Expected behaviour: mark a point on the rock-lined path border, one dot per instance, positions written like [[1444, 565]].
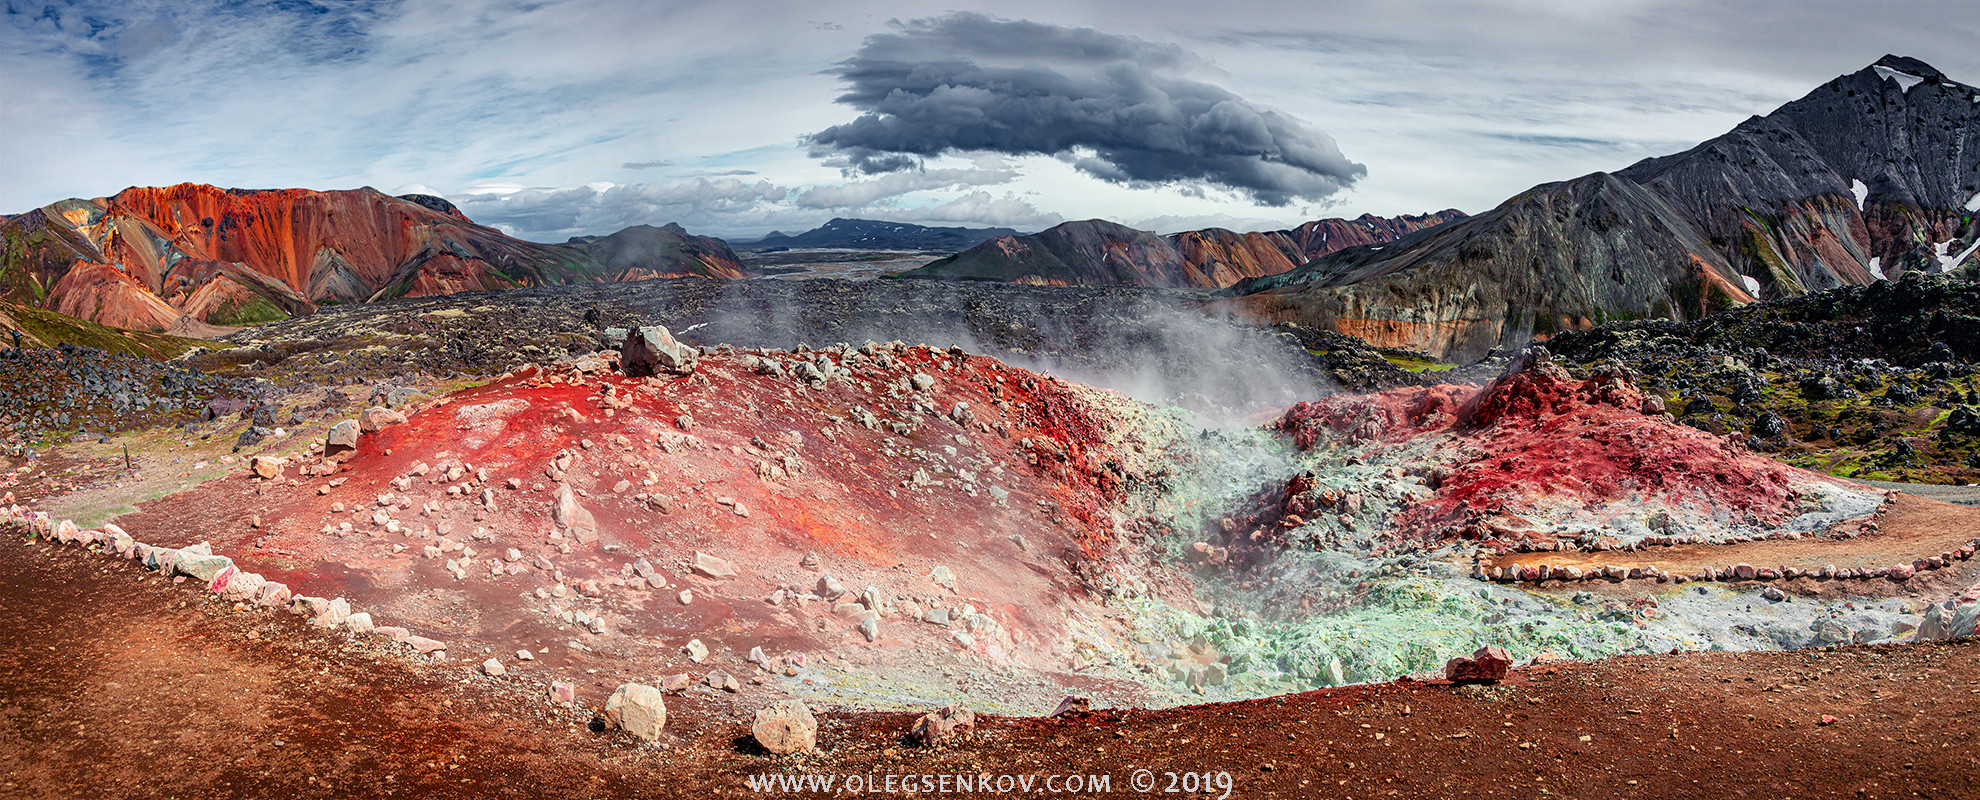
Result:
[[1511, 565], [219, 574]]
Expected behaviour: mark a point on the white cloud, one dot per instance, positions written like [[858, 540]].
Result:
[[1447, 103]]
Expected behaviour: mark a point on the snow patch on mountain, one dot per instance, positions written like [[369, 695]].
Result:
[[1947, 262], [1877, 267], [1752, 285], [1973, 203], [1905, 80], [1856, 187]]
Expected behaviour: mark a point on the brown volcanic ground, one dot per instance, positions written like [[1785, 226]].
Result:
[[125, 686]]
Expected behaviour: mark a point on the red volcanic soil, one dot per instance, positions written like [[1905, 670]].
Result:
[[126, 686], [1010, 496], [1537, 443]]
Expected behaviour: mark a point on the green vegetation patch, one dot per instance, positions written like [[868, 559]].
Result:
[[1417, 364], [251, 311], [53, 329]]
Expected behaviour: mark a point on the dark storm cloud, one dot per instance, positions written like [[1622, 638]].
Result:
[[1118, 108]]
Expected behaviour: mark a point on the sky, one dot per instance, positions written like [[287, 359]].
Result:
[[555, 118]]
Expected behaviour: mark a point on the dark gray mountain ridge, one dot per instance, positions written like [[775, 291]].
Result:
[[1770, 209], [867, 234]]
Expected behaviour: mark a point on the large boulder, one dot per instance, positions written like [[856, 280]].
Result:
[[1487, 665], [376, 418], [942, 725], [652, 350], [343, 438], [787, 727], [637, 709]]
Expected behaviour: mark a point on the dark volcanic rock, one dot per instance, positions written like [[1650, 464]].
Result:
[[1857, 367], [1101, 253], [643, 251], [1093, 252], [867, 234], [1487, 665]]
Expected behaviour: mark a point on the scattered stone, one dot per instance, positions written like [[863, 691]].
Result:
[[1072, 706], [425, 646], [377, 418], [563, 692], [695, 650], [1487, 665], [713, 567], [493, 668], [572, 517], [787, 727], [268, 467], [829, 587], [638, 709], [723, 681], [942, 725]]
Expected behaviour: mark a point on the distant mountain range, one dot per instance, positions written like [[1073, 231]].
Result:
[[181, 257], [1100, 253], [1871, 176], [867, 234]]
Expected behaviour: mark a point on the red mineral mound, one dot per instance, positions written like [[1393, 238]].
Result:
[[1538, 455], [950, 504]]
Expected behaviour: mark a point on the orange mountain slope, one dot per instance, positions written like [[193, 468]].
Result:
[[147, 257]]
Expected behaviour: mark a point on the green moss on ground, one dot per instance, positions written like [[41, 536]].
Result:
[[253, 311], [54, 329]]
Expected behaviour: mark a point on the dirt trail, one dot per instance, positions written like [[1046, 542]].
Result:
[[1911, 528], [126, 686], [1962, 495]]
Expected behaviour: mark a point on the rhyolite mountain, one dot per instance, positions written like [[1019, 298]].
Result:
[[1097, 252], [178, 257], [868, 234], [1870, 176]]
